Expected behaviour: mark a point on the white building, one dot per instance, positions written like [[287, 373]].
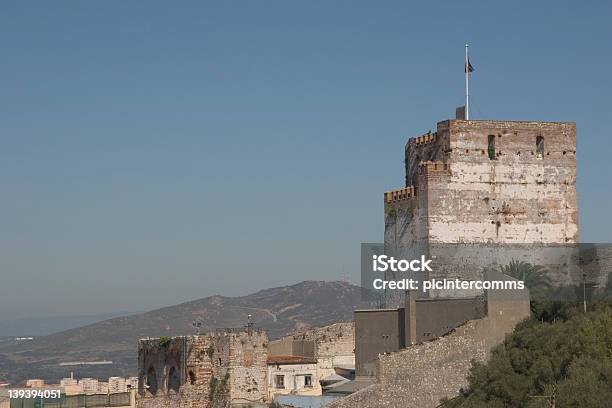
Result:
[[89, 385], [292, 375], [117, 384]]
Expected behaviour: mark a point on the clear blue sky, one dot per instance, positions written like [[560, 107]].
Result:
[[156, 152]]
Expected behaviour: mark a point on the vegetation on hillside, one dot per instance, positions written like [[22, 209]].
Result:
[[560, 357]]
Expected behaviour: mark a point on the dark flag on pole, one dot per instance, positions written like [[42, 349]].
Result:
[[468, 67]]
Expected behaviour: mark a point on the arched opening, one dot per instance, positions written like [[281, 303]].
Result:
[[192, 377], [174, 381], [151, 381], [539, 147], [491, 147]]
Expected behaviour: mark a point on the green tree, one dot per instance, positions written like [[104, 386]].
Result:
[[534, 276], [571, 360]]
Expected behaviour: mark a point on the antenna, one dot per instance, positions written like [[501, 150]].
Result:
[[249, 325]]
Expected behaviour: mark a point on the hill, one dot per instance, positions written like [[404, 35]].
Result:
[[42, 326], [280, 310]]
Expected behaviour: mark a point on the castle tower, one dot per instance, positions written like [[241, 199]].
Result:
[[485, 182]]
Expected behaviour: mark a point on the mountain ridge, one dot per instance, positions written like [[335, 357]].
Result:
[[280, 311]]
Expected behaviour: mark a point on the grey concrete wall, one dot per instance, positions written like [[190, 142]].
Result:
[[383, 331], [376, 332], [281, 347], [437, 317]]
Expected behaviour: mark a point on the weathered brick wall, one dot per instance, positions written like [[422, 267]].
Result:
[[335, 347], [516, 198], [215, 369], [428, 147], [248, 353], [189, 396]]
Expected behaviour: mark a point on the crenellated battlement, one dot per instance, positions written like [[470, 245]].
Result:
[[423, 139], [402, 194], [433, 166]]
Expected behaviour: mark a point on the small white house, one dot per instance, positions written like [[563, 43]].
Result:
[[292, 375]]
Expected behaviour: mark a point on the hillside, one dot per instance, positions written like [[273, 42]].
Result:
[[279, 310], [42, 326]]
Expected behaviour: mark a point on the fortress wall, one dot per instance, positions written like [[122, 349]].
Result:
[[421, 375], [247, 366], [234, 360], [518, 196], [429, 147], [464, 196]]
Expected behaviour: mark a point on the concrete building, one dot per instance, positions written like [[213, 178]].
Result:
[[89, 385], [117, 384], [68, 381], [35, 383]]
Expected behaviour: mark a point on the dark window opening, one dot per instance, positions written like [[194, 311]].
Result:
[[192, 377], [539, 147], [491, 147], [308, 380], [279, 381]]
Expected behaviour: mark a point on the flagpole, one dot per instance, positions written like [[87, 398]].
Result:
[[467, 84]]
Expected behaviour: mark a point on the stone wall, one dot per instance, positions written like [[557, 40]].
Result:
[[247, 357], [203, 371], [518, 195], [421, 375], [483, 182], [289, 346]]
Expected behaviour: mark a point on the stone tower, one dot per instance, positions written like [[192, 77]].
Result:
[[485, 182]]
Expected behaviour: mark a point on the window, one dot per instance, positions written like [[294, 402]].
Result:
[[279, 381], [308, 380], [491, 147], [539, 147], [192, 377]]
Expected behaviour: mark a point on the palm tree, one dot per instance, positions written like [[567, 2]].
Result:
[[534, 276]]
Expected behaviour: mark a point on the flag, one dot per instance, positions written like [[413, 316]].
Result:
[[468, 67]]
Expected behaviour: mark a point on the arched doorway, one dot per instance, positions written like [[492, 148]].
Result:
[[174, 382], [151, 381]]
